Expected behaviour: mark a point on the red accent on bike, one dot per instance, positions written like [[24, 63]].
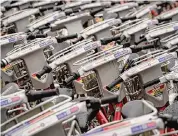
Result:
[[117, 115], [101, 118]]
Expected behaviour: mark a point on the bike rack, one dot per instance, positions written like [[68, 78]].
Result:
[[161, 31], [143, 69], [133, 31], [170, 40], [22, 4], [100, 29], [73, 53], [45, 4], [7, 44], [105, 65], [8, 41], [169, 14], [143, 11], [20, 19], [95, 5], [29, 54], [121, 9], [48, 117], [49, 18], [76, 4], [73, 23]]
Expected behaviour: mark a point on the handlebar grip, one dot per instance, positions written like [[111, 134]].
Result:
[[45, 9], [150, 83], [162, 4], [164, 19], [110, 99], [137, 49], [123, 19], [141, 40], [44, 27], [105, 41], [31, 36], [56, 8], [79, 39], [70, 11], [71, 78], [10, 7], [114, 83], [41, 35], [33, 96], [125, 45], [143, 3], [64, 38], [92, 13], [46, 69]]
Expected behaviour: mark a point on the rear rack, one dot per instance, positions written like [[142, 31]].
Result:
[[97, 56], [68, 50]]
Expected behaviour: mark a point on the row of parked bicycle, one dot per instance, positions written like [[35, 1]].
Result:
[[71, 68]]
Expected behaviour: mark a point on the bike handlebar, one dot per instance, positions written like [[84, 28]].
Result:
[[32, 36], [137, 49], [152, 82], [94, 12], [164, 19], [45, 9], [123, 19], [79, 39], [105, 41], [110, 99], [36, 95], [114, 83], [140, 41], [71, 78], [46, 69], [64, 38]]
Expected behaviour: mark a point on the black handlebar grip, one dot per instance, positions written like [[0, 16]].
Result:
[[41, 35], [64, 38], [123, 19], [31, 36], [56, 8], [141, 40], [114, 83], [46, 69], [68, 11], [110, 99], [4, 62], [143, 3], [71, 78], [79, 39], [105, 41], [150, 83], [94, 12], [44, 27], [164, 19], [45, 9], [137, 49], [125, 45], [10, 7], [162, 4], [33, 96]]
